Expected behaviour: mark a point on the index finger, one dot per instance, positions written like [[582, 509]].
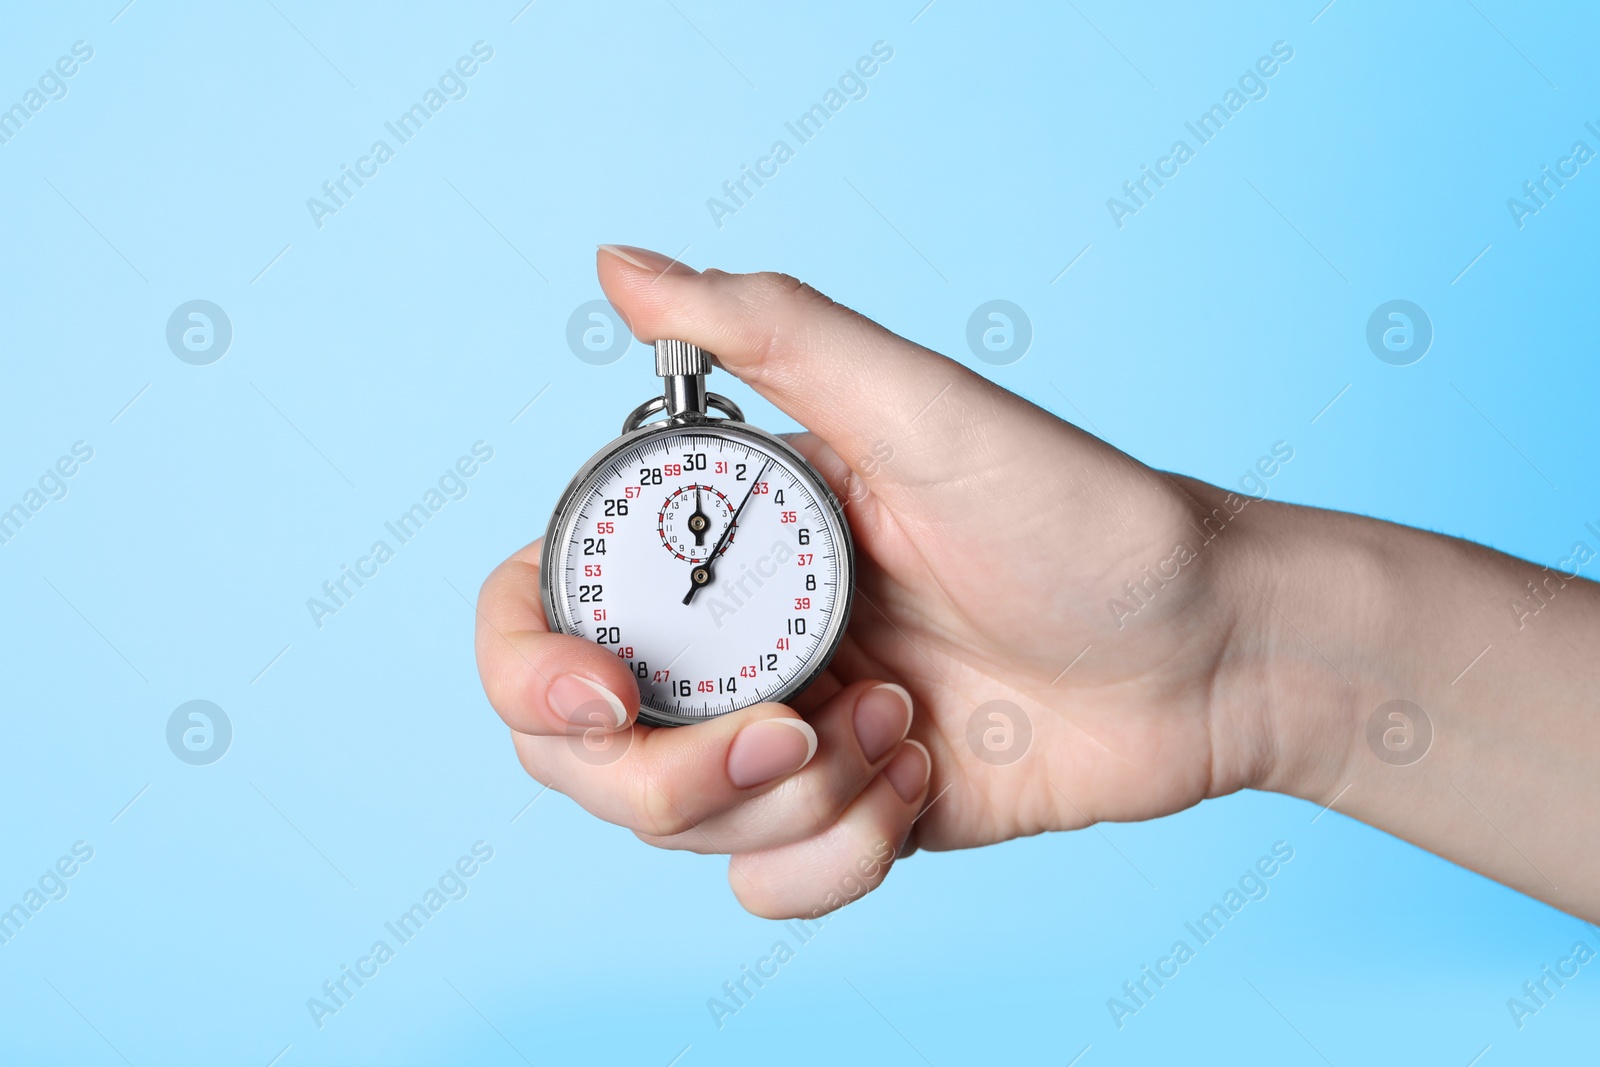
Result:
[[866, 391], [542, 682]]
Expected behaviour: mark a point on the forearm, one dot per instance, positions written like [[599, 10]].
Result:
[[1501, 656]]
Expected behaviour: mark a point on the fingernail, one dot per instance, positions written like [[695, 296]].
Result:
[[767, 749], [883, 718], [908, 772], [644, 259], [585, 702]]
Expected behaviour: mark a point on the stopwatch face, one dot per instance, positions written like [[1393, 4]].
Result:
[[710, 558]]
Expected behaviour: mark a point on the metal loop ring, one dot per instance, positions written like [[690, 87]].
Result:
[[729, 408], [637, 416], [657, 404]]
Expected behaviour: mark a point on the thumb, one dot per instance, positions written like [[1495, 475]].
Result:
[[914, 420]]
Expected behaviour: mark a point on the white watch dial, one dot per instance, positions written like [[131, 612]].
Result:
[[715, 565]]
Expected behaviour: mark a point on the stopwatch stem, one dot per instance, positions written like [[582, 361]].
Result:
[[685, 395], [684, 367]]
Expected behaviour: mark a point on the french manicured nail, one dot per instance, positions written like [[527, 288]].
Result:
[[585, 702], [644, 259], [768, 749], [883, 718], [909, 770]]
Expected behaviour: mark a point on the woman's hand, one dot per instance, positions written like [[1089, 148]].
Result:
[[1080, 638], [991, 536]]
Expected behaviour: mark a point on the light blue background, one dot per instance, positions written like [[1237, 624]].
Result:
[[427, 313]]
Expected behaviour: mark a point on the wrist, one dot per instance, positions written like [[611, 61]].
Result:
[[1318, 599], [1398, 676]]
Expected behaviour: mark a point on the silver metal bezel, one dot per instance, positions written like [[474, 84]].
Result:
[[560, 528]]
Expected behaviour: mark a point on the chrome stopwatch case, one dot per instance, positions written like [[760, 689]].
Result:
[[704, 553]]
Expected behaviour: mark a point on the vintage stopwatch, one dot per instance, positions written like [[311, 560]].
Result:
[[705, 553]]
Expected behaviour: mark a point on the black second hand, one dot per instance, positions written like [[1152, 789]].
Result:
[[732, 522]]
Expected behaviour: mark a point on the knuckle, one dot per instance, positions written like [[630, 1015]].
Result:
[[771, 288], [821, 805], [653, 811], [774, 284], [775, 310]]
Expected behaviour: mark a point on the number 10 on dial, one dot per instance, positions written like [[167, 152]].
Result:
[[705, 553]]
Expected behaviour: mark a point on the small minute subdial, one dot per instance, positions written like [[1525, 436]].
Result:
[[691, 521]]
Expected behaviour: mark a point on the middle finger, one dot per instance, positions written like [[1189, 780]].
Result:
[[858, 730]]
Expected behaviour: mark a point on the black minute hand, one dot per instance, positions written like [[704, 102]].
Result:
[[701, 574]]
